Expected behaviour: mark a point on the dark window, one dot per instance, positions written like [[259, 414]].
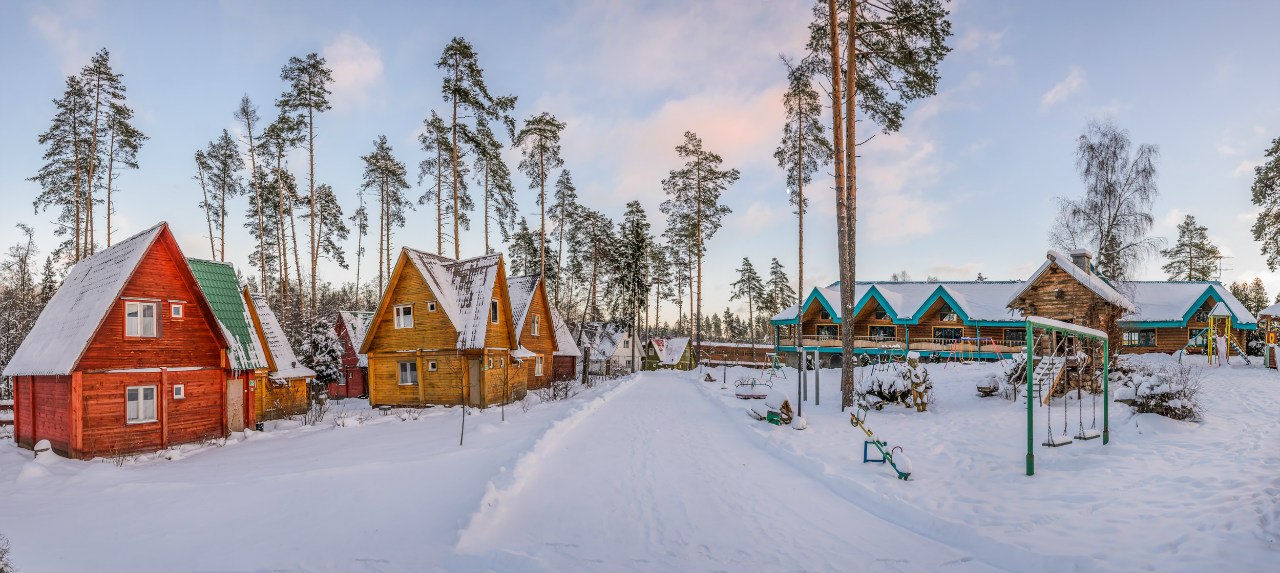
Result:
[[828, 330], [1140, 337], [946, 314], [825, 315], [1015, 335], [948, 333], [879, 314], [1201, 315], [882, 332], [493, 312]]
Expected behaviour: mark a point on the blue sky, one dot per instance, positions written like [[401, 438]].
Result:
[[967, 186]]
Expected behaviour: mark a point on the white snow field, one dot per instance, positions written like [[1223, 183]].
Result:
[[663, 472]]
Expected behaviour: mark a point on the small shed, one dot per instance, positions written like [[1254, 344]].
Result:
[[668, 353], [565, 363]]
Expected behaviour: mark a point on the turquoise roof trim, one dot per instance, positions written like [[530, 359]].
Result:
[[817, 294], [873, 292]]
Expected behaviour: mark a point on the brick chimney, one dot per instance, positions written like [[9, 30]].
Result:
[[1083, 259]]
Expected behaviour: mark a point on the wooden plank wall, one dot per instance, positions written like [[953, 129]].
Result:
[[196, 417], [544, 344], [274, 401]]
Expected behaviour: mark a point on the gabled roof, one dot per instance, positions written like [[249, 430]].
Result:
[[1090, 281], [463, 290], [76, 311], [565, 345], [521, 291], [221, 288], [284, 363], [670, 350], [356, 323], [603, 339], [1271, 311], [1169, 302]]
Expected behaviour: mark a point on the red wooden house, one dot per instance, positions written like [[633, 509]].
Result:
[[126, 357], [350, 328]]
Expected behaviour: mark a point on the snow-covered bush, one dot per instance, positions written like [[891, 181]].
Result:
[[1169, 391], [6, 566], [316, 412], [894, 386], [1014, 380]]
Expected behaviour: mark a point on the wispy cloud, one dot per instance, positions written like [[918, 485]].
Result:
[[357, 70], [1063, 89], [52, 23]]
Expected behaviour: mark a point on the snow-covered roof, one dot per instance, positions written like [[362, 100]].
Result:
[[565, 345], [1091, 281], [463, 290], [520, 353], [1271, 311], [603, 338], [356, 323], [669, 350], [521, 291], [984, 301], [1172, 301], [70, 319], [280, 352]]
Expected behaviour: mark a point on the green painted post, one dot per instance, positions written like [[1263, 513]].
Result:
[[1031, 457], [1106, 393]]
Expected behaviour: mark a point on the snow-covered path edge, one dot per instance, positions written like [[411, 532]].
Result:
[[508, 484], [898, 512]]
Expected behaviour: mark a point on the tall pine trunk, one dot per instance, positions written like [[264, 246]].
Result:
[[111, 162], [542, 209], [93, 167], [486, 209], [697, 323], [837, 115], [311, 183], [257, 195], [848, 211], [800, 254], [439, 202], [283, 239], [457, 247], [208, 217]]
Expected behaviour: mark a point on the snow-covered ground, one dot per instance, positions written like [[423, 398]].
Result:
[[663, 472]]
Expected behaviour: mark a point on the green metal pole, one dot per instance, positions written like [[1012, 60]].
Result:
[[1106, 393], [1031, 456]]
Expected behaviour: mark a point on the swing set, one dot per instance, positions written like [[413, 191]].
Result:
[[1072, 356]]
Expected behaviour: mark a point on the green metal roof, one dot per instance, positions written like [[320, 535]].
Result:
[[221, 288]]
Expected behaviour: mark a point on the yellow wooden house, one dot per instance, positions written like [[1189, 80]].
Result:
[[444, 334]]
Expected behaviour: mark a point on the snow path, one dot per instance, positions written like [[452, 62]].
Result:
[[660, 478]]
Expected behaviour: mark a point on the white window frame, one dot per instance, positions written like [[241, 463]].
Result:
[[139, 414], [402, 370], [493, 311], [179, 391], [403, 319], [537, 365], [626, 343], [432, 366], [490, 366], [535, 325], [176, 310], [431, 306], [137, 322]]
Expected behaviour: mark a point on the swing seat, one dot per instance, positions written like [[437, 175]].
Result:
[[1055, 441], [1089, 434]]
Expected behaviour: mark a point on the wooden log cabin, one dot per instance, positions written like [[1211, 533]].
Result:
[[127, 357], [984, 319], [444, 334], [350, 329], [534, 326], [247, 359], [285, 393]]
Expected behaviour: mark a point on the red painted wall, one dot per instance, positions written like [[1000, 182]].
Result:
[[42, 411], [353, 373]]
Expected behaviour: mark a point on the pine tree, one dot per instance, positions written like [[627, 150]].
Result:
[[749, 286], [1193, 257], [322, 351], [694, 204], [891, 56], [464, 88], [20, 302], [247, 116], [223, 164], [564, 212], [595, 250], [263, 226], [1258, 299], [387, 177], [981, 278], [308, 95], [360, 220], [62, 178], [209, 206], [780, 293], [1266, 194], [279, 137], [660, 272], [495, 177], [804, 148], [328, 223], [539, 142], [435, 142], [112, 138], [523, 251], [629, 282]]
